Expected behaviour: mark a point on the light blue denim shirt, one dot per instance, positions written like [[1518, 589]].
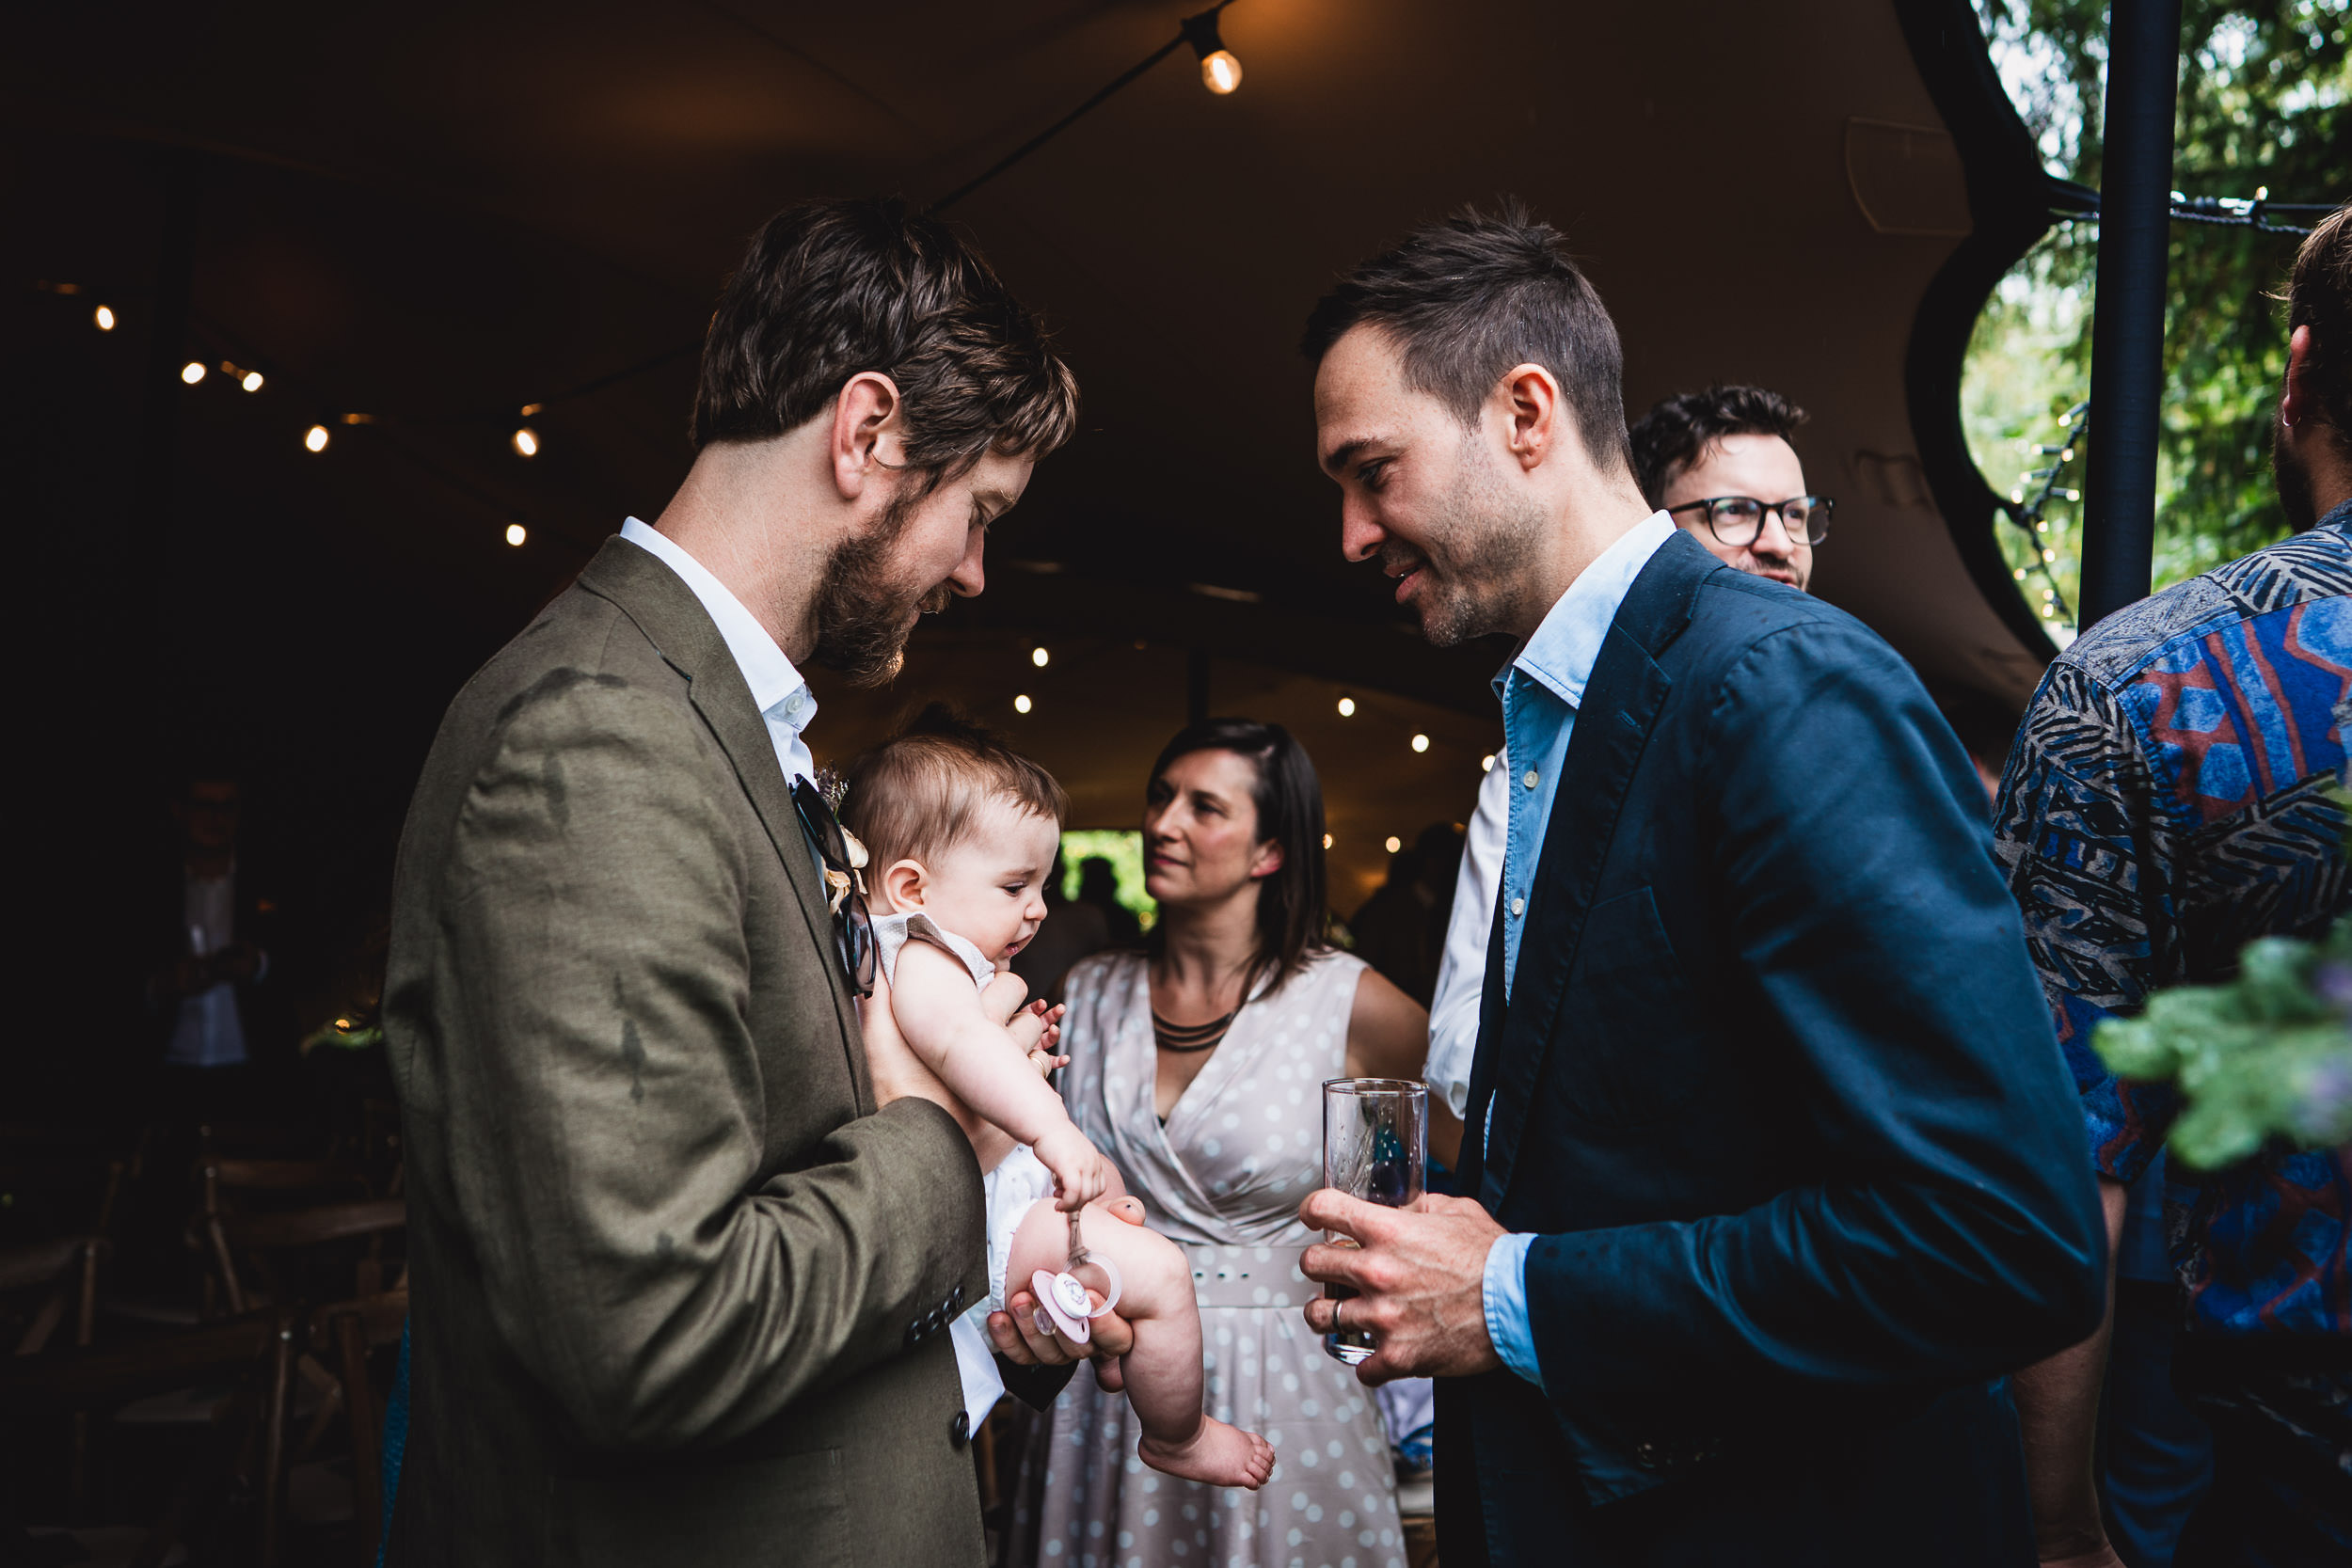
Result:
[[1540, 693]]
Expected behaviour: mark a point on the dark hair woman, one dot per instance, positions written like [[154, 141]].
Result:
[[1196, 1065]]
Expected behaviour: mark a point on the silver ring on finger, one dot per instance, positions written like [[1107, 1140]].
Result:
[[1335, 1314]]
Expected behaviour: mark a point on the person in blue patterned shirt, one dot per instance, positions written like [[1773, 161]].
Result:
[[2170, 800]]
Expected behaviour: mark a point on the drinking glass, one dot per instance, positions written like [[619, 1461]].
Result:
[[1375, 1147]]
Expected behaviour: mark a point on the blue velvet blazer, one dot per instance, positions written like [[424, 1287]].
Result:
[[1777, 1088]]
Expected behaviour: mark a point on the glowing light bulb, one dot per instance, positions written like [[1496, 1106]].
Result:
[[1347, 708], [2049, 556], [1220, 72], [315, 439], [2049, 613], [1393, 842], [1421, 743], [192, 373], [105, 317], [1039, 657], [517, 533], [1021, 705], [1487, 763], [2067, 455], [1327, 841], [2019, 573], [525, 441], [253, 381]]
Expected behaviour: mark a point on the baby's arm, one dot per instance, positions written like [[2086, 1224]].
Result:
[[944, 1019]]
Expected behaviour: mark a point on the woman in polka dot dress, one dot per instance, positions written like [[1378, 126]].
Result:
[[1197, 1067]]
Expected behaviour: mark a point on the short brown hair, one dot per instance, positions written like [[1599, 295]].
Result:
[[1468, 298], [1678, 430], [915, 797], [831, 289], [2319, 297]]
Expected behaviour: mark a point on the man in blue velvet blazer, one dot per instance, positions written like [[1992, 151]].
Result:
[[1772, 1145]]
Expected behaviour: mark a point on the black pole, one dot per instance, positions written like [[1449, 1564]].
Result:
[[2127, 331]]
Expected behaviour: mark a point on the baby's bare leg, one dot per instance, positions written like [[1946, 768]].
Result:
[[1162, 1373]]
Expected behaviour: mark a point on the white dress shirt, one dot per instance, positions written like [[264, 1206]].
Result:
[[1462, 970], [778, 690]]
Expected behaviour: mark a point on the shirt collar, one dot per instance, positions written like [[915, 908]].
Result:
[[1560, 656], [773, 681]]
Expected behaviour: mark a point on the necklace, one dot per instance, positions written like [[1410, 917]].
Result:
[[1185, 1038]]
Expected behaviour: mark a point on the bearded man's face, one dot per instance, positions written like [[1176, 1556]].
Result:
[[923, 549]]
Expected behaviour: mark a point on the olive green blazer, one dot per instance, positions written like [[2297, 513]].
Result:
[[679, 1289]]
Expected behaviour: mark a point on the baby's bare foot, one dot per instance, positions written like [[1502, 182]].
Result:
[[1219, 1454]]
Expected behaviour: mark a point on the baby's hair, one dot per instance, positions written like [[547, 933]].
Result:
[[914, 795]]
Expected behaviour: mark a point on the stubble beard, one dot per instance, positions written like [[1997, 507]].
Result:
[[860, 617], [1481, 554]]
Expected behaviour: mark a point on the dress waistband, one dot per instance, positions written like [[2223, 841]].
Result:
[[1248, 1276]]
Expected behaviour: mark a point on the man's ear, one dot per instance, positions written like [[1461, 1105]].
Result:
[[902, 884], [2295, 396], [1269, 859], [868, 427], [1534, 420]]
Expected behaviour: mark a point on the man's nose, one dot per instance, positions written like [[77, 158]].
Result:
[[969, 578], [1361, 533], [1772, 538]]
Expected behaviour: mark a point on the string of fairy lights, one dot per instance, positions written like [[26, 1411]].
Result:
[[1220, 74]]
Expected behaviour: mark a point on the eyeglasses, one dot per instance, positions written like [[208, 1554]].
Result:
[[1737, 520], [852, 926]]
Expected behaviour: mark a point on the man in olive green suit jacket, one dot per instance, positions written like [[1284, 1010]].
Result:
[[683, 1261]]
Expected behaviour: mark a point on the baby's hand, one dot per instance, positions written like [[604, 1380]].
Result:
[[1081, 1174], [1036, 1027]]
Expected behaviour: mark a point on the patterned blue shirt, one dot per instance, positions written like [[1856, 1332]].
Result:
[[2167, 804]]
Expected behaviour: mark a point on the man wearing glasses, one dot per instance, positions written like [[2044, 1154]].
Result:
[[1720, 463]]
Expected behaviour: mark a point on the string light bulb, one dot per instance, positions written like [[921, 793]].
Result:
[[1421, 743], [1487, 763], [1220, 72], [193, 371], [1039, 657], [1020, 704], [1393, 842], [315, 439], [516, 534], [1327, 841], [525, 441], [105, 317], [1347, 706], [252, 381]]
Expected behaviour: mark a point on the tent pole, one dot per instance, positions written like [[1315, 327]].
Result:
[[2127, 331]]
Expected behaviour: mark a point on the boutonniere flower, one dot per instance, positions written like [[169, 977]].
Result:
[[841, 881]]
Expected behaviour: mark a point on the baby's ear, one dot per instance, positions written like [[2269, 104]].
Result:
[[901, 885]]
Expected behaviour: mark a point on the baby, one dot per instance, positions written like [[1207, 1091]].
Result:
[[960, 835]]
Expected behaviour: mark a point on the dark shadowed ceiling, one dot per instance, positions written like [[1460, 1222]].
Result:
[[435, 214]]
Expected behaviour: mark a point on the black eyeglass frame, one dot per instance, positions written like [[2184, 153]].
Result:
[[853, 923], [1818, 513]]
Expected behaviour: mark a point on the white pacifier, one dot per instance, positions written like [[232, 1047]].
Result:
[[1067, 1299]]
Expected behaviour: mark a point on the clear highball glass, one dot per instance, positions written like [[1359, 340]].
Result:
[[1375, 1147]]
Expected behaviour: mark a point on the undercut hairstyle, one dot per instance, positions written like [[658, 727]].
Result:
[[1677, 432], [1294, 921], [1467, 299], [2319, 297], [831, 289], [919, 794]]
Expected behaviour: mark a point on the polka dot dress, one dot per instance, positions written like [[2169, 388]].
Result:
[[1224, 1178]]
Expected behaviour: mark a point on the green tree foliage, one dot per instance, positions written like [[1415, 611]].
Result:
[[2262, 101]]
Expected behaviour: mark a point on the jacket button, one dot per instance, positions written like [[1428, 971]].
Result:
[[955, 1297], [960, 1430]]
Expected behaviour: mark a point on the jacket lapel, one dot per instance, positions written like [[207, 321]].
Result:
[[1621, 706], [682, 631]]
